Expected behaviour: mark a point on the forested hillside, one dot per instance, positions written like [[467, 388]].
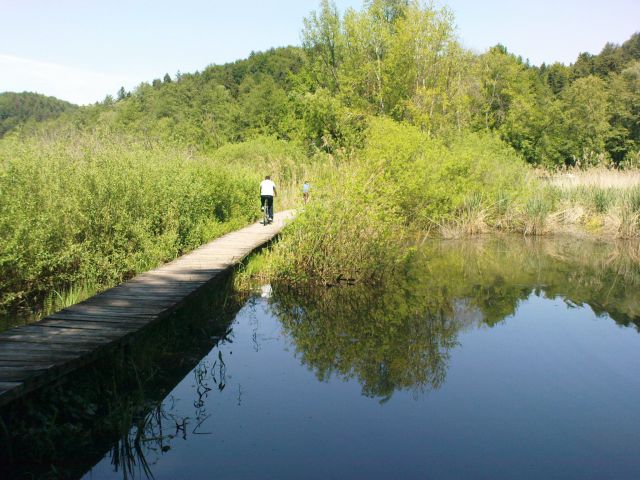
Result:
[[17, 108], [404, 61]]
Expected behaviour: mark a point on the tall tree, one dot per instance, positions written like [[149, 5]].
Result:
[[323, 40], [585, 119]]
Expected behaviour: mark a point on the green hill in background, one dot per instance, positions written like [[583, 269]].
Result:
[[18, 108], [320, 95]]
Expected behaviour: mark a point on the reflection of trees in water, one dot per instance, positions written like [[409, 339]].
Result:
[[398, 336], [390, 339], [506, 270]]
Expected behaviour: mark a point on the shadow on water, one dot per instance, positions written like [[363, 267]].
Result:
[[114, 406], [399, 336]]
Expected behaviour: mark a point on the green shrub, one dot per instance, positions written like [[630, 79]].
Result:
[[284, 160], [401, 183], [100, 208], [432, 182], [602, 199], [349, 232]]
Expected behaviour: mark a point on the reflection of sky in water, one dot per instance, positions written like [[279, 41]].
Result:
[[551, 392]]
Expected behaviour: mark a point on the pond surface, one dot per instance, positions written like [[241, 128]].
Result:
[[489, 358]]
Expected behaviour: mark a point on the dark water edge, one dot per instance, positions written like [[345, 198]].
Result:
[[492, 357]]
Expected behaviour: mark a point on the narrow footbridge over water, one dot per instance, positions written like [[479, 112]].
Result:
[[36, 354]]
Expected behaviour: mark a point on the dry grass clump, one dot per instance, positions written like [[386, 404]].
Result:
[[598, 201], [599, 177]]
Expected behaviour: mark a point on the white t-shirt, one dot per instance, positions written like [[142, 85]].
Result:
[[267, 187]]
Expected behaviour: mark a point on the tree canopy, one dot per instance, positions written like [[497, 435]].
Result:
[[394, 58], [18, 108]]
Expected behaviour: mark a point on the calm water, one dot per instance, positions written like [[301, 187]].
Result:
[[494, 358]]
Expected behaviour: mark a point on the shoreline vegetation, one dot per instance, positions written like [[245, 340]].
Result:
[[397, 148]]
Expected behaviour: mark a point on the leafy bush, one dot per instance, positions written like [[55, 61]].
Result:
[[349, 231], [101, 208], [433, 182], [401, 183]]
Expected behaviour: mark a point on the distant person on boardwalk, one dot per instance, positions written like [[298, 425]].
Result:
[[267, 192], [305, 191]]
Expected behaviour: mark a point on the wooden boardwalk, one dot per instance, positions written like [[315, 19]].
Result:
[[39, 353]]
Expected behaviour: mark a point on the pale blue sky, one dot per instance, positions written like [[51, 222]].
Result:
[[81, 50]]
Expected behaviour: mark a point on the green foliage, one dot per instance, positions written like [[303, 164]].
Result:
[[401, 59], [585, 118], [431, 181], [327, 125], [349, 231], [399, 127], [323, 42], [101, 208], [401, 182], [205, 110], [624, 110], [392, 57], [398, 59], [18, 108], [284, 161]]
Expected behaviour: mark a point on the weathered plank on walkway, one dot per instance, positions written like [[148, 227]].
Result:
[[34, 355]]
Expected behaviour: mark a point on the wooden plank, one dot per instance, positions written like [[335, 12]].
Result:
[[52, 340], [103, 314], [62, 334], [20, 374], [139, 322], [50, 335], [91, 325], [36, 356], [156, 288], [144, 294], [8, 353], [136, 303], [89, 309], [12, 348], [8, 385], [44, 331]]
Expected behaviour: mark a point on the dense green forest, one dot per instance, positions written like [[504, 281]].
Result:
[[18, 108], [399, 59], [383, 110]]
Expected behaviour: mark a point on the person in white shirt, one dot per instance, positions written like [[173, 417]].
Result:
[[267, 192]]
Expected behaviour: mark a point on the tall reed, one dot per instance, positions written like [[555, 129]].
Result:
[[95, 209]]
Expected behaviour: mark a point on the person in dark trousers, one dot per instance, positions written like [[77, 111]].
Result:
[[267, 192]]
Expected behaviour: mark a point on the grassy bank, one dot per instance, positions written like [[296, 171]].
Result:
[[599, 201]]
